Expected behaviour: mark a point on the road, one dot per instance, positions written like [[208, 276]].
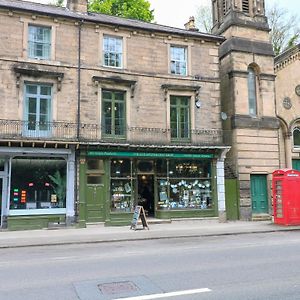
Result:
[[251, 266]]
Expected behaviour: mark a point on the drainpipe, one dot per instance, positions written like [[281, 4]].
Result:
[[79, 79]]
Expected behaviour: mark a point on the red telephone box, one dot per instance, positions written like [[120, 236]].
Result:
[[286, 197]]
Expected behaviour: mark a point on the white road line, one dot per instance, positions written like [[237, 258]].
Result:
[[167, 295]]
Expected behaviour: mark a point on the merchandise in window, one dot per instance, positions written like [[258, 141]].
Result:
[[38, 183], [113, 113], [178, 60], [39, 42], [187, 187], [112, 51], [121, 185]]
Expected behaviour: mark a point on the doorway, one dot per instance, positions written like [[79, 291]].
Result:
[[146, 193], [259, 194]]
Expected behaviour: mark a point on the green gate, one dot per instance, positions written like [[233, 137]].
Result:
[[259, 194], [232, 199]]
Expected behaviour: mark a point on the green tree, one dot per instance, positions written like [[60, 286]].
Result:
[[132, 9], [204, 18], [285, 28]]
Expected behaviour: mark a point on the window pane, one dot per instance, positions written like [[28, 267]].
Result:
[[178, 60], [296, 136], [38, 183], [114, 113], [112, 51], [252, 91], [39, 42]]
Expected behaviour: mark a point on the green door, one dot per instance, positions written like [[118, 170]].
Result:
[[232, 199], [95, 204], [259, 194], [296, 164]]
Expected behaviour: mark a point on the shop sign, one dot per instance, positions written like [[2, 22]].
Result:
[[149, 154]]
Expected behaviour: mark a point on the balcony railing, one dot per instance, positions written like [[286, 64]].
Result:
[[85, 133]]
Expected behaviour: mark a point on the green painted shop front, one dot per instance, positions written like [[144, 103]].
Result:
[[167, 185]]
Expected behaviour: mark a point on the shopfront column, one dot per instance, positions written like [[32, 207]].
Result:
[[70, 201], [221, 186]]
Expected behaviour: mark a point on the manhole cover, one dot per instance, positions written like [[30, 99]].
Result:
[[113, 288]]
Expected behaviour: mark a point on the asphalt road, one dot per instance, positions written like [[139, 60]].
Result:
[[254, 266]]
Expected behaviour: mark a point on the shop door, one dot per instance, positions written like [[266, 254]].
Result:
[[259, 194], [146, 193], [95, 210], [232, 199]]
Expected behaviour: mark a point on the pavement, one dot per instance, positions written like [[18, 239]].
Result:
[[99, 233]]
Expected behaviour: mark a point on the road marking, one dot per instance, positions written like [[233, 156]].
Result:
[[167, 295]]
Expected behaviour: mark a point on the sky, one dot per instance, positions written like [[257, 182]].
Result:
[[176, 13]]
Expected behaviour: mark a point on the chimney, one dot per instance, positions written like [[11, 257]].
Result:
[[77, 5], [190, 25]]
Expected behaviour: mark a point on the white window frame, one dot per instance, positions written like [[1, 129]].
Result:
[[178, 61], [33, 42], [38, 97], [114, 51]]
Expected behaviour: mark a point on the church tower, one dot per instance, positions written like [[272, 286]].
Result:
[[248, 101]]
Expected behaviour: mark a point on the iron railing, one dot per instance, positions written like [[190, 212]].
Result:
[[85, 133]]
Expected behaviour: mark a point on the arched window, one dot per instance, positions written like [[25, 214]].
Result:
[[296, 137], [252, 99]]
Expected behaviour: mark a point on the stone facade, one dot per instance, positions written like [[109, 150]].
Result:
[[253, 135], [287, 105], [77, 75]]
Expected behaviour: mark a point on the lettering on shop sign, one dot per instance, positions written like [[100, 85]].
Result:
[[138, 213]]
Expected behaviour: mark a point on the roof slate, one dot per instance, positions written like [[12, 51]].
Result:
[[51, 10]]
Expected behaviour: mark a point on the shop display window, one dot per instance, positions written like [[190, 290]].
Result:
[[38, 183], [121, 185], [187, 187]]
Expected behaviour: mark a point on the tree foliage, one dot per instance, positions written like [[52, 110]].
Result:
[[203, 18], [285, 28], [132, 9]]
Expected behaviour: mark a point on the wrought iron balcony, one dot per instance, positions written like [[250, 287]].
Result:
[[14, 130]]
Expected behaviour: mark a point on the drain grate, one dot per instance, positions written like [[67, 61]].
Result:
[[113, 288]]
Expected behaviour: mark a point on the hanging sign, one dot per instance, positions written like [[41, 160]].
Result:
[[139, 212]]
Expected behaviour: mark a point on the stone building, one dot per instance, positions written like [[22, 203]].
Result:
[[287, 67], [248, 101], [101, 113]]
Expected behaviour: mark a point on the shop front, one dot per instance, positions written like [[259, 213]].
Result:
[[168, 185], [37, 187]]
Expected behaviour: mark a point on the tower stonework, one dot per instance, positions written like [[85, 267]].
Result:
[[248, 101]]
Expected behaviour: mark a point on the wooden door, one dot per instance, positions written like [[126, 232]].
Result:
[[95, 204], [259, 194], [232, 199]]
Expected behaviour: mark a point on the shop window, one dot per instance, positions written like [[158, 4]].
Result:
[[187, 187], [180, 117], [113, 114], [2, 164], [39, 42], [95, 171], [38, 183], [145, 166], [121, 185]]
